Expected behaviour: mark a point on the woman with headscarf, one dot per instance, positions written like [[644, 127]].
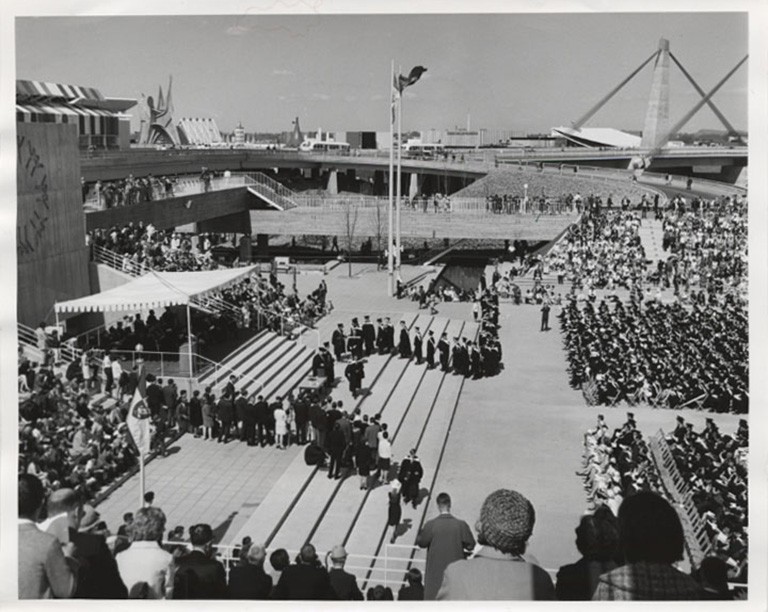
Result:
[[498, 570]]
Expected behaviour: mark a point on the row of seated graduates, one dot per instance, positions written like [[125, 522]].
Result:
[[713, 464]]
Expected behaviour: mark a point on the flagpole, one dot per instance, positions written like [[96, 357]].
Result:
[[399, 172], [141, 479], [189, 343], [390, 285]]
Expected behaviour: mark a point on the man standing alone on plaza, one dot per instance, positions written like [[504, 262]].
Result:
[[447, 539], [545, 317]]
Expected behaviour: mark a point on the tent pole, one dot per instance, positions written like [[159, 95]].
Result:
[[189, 341]]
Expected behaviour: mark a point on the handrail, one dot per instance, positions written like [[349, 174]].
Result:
[[27, 337]]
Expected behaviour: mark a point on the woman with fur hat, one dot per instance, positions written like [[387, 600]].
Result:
[[498, 571]]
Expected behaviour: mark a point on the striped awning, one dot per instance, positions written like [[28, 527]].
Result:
[[40, 90], [157, 290]]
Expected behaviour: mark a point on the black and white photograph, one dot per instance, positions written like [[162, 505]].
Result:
[[407, 301]]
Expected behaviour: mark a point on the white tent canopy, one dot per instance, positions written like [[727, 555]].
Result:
[[157, 290]]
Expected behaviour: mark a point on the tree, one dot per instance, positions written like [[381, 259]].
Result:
[[350, 223]]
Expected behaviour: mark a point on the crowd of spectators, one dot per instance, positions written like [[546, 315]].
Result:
[[601, 251], [143, 248], [663, 354], [66, 551], [131, 190], [65, 439], [708, 250]]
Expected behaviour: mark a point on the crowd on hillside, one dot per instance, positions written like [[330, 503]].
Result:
[[143, 248], [664, 354], [602, 251], [713, 466]]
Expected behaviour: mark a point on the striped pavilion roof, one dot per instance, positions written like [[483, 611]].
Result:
[[40, 90]]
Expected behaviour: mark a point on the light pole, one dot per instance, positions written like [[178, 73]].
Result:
[[525, 198]]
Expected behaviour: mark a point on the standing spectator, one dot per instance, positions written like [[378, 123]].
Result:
[[384, 458], [545, 317], [207, 416], [415, 589], [249, 580], [597, 539], [195, 413], [144, 566], [226, 414], [446, 539], [109, 378], [363, 462], [343, 583], [98, 576], [305, 579], [198, 574], [498, 570], [335, 445], [41, 338], [395, 511], [183, 412], [281, 423], [44, 571], [651, 540], [241, 406]]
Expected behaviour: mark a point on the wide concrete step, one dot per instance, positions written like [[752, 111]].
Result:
[[245, 357], [307, 518]]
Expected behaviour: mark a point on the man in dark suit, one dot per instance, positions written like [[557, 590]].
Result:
[[301, 418], [330, 372], [343, 583], [305, 579], [98, 576], [445, 351], [241, 406], [339, 342], [417, 350], [260, 409], [431, 350], [226, 414], [355, 341], [318, 364], [404, 345], [154, 396], [250, 420], [389, 335], [198, 575], [353, 374], [249, 580], [381, 337], [229, 388], [369, 335]]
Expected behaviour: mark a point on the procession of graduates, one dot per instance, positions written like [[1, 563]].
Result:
[[462, 356]]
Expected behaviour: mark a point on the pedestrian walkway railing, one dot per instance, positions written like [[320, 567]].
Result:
[[66, 352], [121, 263], [276, 192]]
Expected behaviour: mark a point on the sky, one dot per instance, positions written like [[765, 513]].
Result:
[[524, 72]]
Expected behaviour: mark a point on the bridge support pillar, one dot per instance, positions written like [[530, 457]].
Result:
[[656, 124], [379, 185], [414, 186], [262, 245], [333, 183]]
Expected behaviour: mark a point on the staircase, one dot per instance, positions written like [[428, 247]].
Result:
[[275, 194], [262, 365]]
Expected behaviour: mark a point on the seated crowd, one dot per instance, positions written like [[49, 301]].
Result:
[[619, 464], [143, 247], [714, 465], [663, 354], [65, 550]]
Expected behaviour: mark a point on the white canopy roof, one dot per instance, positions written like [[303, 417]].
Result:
[[157, 290]]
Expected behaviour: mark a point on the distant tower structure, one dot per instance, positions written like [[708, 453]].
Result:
[[156, 116], [656, 125], [296, 137], [239, 134]]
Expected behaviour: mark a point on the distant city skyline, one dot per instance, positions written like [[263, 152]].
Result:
[[522, 72]]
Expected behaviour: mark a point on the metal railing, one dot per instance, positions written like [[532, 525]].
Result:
[[121, 263], [270, 188], [27, 337]]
